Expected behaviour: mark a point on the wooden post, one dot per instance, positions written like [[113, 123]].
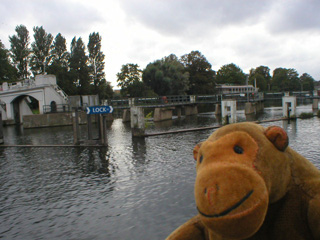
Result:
[[76, 130], [89, 124], [100, 124], [104, 127], [1, 129]]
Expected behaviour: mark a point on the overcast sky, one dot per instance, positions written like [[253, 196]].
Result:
[[248, 33]]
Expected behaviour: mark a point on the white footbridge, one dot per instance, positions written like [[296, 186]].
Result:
[[15, 97]]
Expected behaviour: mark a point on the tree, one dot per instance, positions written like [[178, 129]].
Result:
[[8, 73], [59, 52], [306, 82], [166, 76], [129, 79], [201, 76], [20, 50], [59, 65], [96, 63], [105, 90], [231, 74], [261, 76], [41, 48], [153, 77], [78, 66], [285, 80]]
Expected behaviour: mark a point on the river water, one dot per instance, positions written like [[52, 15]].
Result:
[[132, 189]]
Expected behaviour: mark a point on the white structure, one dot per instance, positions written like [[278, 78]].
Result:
[[229, 110], [238, 89], [289, 105], [14, 96]]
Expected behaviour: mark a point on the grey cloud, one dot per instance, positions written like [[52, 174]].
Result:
[[293, 16], [56, 16], [187, 16]]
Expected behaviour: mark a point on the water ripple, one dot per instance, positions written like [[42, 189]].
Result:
[[133, 189]]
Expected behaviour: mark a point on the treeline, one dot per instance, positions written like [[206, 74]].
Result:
[[81, 69], [193, 74], [78, 71]]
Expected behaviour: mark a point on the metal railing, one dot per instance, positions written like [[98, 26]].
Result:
[[183, 99], [56, 108], [60, 92]]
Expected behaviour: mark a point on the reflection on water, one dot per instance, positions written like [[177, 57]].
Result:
[[131, 189]]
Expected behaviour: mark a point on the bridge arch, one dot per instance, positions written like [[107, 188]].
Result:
[[23, 105], [43, 88]]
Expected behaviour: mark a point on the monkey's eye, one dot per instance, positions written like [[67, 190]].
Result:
[[200, 159], [237, 149]]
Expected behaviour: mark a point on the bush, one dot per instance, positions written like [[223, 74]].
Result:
[[318, 114], [306, 115]]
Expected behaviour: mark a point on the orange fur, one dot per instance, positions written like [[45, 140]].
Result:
[[251, 185]]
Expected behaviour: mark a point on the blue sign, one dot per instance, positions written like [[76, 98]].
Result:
[[99, 109]]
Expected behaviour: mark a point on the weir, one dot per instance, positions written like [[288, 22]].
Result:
[[289, 105]]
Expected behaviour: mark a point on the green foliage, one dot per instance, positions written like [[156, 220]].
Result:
[[8, 73], [306, 82], [59, 53], [166, 76], [318, 113], [261, 76], [231, 74], [128, 74], [201, 76], [20, 50], [78, 66], [285, 80], [96, 65], [149, 115], [306, 115], [129, 79], [148, 121], [41, 48], [59, 65]]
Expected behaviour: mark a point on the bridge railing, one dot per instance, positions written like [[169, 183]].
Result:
[[181, 99], [146, 101], [119, 103], [208, 98], [26, 83], [56, 108]]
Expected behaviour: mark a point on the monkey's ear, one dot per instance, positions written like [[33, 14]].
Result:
[[196, 151], [278, 137]]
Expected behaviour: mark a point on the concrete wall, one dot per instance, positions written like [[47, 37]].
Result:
[[90, 100], [74, 101], [253, 107], [161, 114], [83, 101], [45, 79], [126, 115], [24, 109], [191, 110], [289, 105], [55, 119], [137, 121], [229, 111]]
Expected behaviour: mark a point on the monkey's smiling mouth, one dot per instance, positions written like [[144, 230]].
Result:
[[227, 211]]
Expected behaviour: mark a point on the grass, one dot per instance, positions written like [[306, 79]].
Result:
[[35, 111]]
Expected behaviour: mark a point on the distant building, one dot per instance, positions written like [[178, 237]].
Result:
[[235, 89]]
